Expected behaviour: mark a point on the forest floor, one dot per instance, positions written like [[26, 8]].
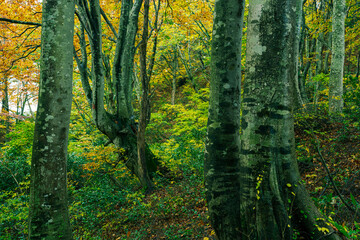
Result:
[[177, 209]]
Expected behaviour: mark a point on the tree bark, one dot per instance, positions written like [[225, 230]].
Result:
[[221, 167], [48, 217], [144, 104], [274, 202], [309, 48], [299, 102], [5, 109], [119, 127], [327, 54], [318, 54], [173, 85], [358, 66], [336, 102]]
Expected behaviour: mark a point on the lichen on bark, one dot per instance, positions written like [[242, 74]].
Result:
[[48, 217], [336, 102], [222, 142]]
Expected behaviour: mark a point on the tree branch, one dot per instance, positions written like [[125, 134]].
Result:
[[103, 14], [19, 22]]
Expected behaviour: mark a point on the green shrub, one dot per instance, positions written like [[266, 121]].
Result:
[[16, 156], [13, 215]]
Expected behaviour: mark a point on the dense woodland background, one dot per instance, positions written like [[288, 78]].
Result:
[[106, 200]]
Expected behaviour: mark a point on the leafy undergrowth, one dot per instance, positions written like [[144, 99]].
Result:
[[323, 144], [102, 208], [175, 211]]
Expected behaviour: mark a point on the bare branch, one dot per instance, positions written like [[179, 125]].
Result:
[[23, 32], [103, 14], [25, 55], [19, 22]]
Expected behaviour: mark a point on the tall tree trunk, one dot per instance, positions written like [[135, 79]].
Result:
[[49, 217], [299, 102], [274, 202], [118, 127], [188, 66], [223, 139], [173, 89], [144, 104], [174, 68], [309, 48], [336, 102], [318, 53], [327, 55], [358, 65]]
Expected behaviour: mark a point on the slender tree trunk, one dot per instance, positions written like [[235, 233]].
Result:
[[358, 65], [144, 104], [327, 55], [24, 104], [173, 89], [318, 53], [223, 140], [174, 68], [5, 107], [187, 64], [336, 102], [309, 48], [274, 201], [298, 95], [49, 217], [348, 70]]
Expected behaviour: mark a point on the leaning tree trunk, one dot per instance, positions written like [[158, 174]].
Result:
[[49, 218], [274, 201], [336, 102], [223, 140]]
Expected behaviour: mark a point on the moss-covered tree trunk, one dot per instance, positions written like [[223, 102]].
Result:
[[223, 140], [274, 202], [49, 218], [337, 59], [117, 122], [144, 104]]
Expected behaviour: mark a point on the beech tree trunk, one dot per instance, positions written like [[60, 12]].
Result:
[[118, 124], [336, 102], [144, 104], [48, 217], [299, 101], [273, 200], [223, 139]]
